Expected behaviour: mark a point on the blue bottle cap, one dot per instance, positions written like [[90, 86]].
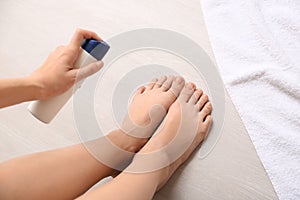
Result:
[[97, 49]]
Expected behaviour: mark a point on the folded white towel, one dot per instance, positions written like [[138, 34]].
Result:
[[257, 48]]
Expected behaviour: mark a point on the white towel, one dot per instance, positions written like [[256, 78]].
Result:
[[257, 48]]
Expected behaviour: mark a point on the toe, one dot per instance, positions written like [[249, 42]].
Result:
[[187, 92], [160, 82], [168, 83], [197, 94], [177, 85], [151, 84], [202, 101], [141, 90], [206, 110], [206, 124]]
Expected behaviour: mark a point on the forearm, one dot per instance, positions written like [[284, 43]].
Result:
[[18, 90]]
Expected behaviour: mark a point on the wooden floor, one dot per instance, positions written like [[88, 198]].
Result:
[[31, 29]]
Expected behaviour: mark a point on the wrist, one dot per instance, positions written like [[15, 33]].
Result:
[[33, 87]]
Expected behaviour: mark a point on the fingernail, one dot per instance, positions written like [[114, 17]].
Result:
[[99, 63]]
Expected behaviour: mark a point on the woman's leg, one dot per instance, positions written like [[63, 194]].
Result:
[[69, 172], [187, 124]]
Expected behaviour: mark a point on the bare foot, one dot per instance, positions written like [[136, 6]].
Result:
[[160, 92], [187, 124], [147, 109]]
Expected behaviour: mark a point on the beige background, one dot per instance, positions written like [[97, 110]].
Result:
[[31, 29]]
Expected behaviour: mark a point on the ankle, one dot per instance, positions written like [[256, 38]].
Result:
[[125, 141]]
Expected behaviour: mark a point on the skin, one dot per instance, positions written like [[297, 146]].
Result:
[[34, 175], [55, 76], [135, 186], [45, 175]]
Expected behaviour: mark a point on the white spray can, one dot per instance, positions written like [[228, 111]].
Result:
[[46, 110]]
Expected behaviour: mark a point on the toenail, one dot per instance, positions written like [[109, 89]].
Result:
[[190, 86], [154, 80], [179, 79], [209, 106]]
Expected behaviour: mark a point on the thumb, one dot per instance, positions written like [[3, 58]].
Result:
[[87, 71]]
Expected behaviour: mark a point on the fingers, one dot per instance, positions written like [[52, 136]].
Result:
[[79, 35], [86, 71]]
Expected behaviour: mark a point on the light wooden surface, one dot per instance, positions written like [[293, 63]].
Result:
[[30, 29]]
